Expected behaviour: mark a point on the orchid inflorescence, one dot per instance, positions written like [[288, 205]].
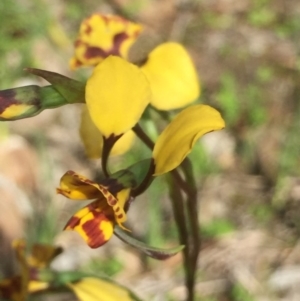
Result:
[[114, 99]]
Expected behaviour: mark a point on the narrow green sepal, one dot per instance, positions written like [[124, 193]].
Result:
[[72, 90], [125, 177], [156, 253], [134, 175], [28, 101], [140, 170]]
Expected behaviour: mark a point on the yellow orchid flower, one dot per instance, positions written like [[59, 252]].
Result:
[[168, 68], [18, 287], [172, 76], [101, 36], [95, 222], [36, 278]]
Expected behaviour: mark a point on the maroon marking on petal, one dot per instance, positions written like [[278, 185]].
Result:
[[93, 206], [78, 43], [72, 223], [111, 200], [88, 29], [77, 63], [63, 192], [120, 216], [118, 40], [105, 18], [117, 209], [8, 98], [104, 190], [91, 229], [92, 52], [14, 286]]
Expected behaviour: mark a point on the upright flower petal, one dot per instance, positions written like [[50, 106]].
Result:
[[179, 137], [94, 223], [172, 76], [93, 140], [101, 36], [117, 94]]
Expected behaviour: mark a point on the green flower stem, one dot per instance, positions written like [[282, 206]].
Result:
[[192, 212], [181, 223], [146, 181], [149, 177], [143, 136], [186, 217], [108, 144]]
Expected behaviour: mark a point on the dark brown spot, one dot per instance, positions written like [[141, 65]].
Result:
[[91, 228], [73, 222], [94, 52], [78, 43], [111, 201], [120, 216], [88, 29]]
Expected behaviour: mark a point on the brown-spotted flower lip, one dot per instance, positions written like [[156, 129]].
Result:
[[95, 222], [103, 35]]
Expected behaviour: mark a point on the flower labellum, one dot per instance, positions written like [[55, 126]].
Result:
[[95, 222]]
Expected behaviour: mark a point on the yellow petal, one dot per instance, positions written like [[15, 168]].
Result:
[[172, 76], [94, 223], [16, 110], [117, 94], [117, 206], [179, 137], [37, 286], [101, 36], [95, 289], [90, 135], [93, 141], [77, 187]]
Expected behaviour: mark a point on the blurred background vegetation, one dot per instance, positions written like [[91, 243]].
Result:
[[247, 56]]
